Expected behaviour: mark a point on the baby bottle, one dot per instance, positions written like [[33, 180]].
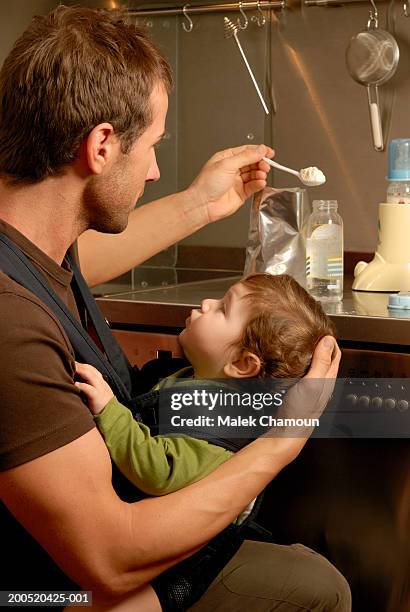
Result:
[[398, 189], [324, 252]]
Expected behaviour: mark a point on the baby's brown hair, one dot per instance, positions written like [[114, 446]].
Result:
[[285, 325]]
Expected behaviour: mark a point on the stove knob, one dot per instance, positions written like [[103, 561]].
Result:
[[364, 401], [389, 404], [377, 403], [351, 399], [402, 405]]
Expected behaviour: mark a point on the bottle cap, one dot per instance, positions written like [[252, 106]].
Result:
[[400, 300], [399, 160]]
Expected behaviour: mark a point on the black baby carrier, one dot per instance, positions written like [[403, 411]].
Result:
[[181, 586]]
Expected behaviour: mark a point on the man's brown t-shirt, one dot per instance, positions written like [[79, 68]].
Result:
[[40, 408]]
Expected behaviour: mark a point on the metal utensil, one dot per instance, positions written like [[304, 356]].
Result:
[[311, 177], [372, 57], [231, 30]]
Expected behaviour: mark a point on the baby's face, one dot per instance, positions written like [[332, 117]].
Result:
[[212, 329]]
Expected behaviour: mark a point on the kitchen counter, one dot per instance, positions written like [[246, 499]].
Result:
[[360, 317]]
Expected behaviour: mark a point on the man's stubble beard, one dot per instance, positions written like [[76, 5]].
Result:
[[103, 204]]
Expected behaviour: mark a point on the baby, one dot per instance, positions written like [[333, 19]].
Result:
[[265, 326]]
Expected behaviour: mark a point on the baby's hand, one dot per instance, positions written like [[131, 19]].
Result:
[[97, 391]]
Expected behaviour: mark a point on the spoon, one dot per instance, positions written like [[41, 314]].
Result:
[[311, 177]]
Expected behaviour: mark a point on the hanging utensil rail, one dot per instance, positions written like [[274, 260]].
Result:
[[332, 2], [209, 8]]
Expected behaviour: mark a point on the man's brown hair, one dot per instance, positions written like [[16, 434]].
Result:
[[70, 71], [285, 325]]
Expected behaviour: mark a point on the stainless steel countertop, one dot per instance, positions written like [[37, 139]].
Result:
[[360, 317]]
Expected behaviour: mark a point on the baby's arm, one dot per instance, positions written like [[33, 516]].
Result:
[[95, 388], [155, 464]]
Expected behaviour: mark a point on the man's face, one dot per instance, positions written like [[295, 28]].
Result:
[[212, 331], [111, 197]]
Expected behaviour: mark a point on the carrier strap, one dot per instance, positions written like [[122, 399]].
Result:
[[113, 365]]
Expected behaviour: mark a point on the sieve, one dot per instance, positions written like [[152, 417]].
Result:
[[372, 57]]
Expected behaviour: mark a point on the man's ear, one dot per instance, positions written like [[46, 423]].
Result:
[[247, 365], [101, 146]]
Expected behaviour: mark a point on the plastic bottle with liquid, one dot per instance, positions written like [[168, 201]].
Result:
[[324, 252], [398, 189]]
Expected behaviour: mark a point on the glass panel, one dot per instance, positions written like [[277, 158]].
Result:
[[163, 31], [214, 106]]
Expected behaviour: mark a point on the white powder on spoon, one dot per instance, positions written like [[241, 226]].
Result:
[[312, 176]]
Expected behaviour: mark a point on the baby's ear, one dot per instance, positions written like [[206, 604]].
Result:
[[247, 365]]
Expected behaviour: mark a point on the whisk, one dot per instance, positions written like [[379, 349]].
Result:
[[231, 30]]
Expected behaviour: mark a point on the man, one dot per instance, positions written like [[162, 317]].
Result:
[[83, 103]]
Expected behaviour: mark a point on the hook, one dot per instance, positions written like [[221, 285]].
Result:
[[260, 19], [190, 26], [405, 9], [242, 12], [373, 22]]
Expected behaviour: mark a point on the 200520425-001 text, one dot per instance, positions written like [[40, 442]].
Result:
[[45, 598]]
